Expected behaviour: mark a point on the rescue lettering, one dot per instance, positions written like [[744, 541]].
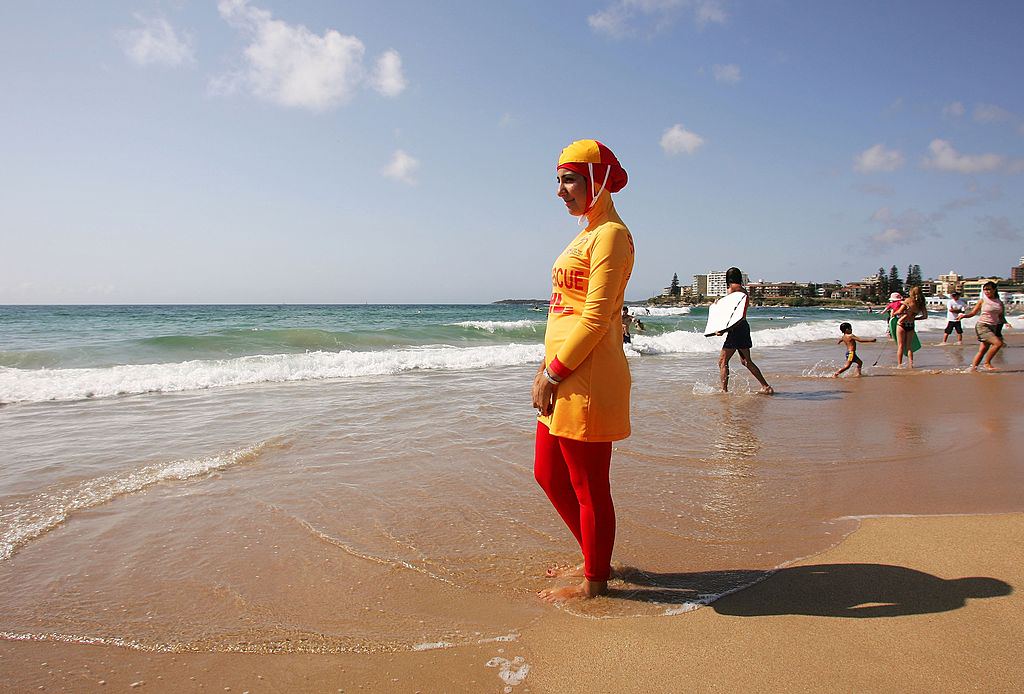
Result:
[[568, 279]]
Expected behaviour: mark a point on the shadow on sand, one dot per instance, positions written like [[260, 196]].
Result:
[[809, 395], [821, 590]]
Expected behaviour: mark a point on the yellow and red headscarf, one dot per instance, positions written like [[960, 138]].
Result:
[[595, 162]]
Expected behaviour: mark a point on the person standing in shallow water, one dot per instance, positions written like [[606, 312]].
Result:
[[738, 338], [989, 327], [582, 388]]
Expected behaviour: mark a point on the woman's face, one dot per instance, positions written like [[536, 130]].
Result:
[[572, 188], [990, 292]]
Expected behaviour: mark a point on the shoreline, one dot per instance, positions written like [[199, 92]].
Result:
[[899, 477], [888, 607]]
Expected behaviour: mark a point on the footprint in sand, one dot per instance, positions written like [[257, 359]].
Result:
[[512, 672]]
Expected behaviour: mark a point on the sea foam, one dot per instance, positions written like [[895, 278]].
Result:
[[682, 341], [23, 522], [493, 326], [35, 385], [658, 310]]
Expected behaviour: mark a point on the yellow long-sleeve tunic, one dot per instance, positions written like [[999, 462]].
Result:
[[588, 284]]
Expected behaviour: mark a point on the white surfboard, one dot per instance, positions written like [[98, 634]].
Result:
[[725, 313]]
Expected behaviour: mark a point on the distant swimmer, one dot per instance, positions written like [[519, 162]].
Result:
[[627, 320], [989, 327], [851, 340], [738, 338], [582, 388]]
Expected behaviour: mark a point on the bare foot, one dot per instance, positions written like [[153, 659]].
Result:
[[767, 390], [585, 591], [988, 367]]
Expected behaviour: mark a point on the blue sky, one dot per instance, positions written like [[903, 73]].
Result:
[[262, 151]]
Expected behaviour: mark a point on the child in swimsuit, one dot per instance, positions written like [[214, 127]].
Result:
[[851, 340]]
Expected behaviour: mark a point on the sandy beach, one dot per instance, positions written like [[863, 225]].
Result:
[[891, 502], [904, 604]]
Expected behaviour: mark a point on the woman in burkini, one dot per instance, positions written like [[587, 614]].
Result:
[[912, 309], [582, 388], [989, 327]]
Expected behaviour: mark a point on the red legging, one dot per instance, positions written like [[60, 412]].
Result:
[[574, 475]]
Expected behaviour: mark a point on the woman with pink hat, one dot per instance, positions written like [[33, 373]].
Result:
[[582, 389]]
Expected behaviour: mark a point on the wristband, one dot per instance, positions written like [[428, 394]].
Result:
[[551, 379], [558, 369]]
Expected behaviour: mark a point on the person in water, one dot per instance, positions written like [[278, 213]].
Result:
[[911, 310], [738, 338], [895, 301], [989, 327], [582, 388], [627, 320], [955, 307], [851, 340]]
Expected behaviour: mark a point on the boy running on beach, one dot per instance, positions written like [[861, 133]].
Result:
[[851, 340]]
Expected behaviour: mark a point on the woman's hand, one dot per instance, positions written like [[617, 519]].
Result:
[[544, 393]]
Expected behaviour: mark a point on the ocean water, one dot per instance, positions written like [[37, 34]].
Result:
[[359, 478]]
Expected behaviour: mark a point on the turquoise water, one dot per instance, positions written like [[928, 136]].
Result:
[[334, 478], [75, 352], [84, 336]]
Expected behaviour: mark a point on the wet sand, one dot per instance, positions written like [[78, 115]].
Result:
[[759, 490], [917, 604]]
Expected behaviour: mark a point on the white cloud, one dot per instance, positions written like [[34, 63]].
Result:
[[624, 18], [729, 74], [955, 109], [878, 158], [290, 65], [387, 77], [402, 167], [945, 158], [156, 42], [904, 228], [710, 12], [978, 196], [990, 113], [679, 140], [894, 236], [999, 228]]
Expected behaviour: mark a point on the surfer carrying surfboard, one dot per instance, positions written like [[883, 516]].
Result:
[[736, 328]]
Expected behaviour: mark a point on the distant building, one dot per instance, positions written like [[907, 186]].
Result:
[[949, 283], [775, 290], [1017, 273], [828, 289], [928, 287], [972, 287], [716, 284], [699, 288]]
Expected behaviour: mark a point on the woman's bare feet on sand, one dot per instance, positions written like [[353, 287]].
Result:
[[585, 591], [767, 390]]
